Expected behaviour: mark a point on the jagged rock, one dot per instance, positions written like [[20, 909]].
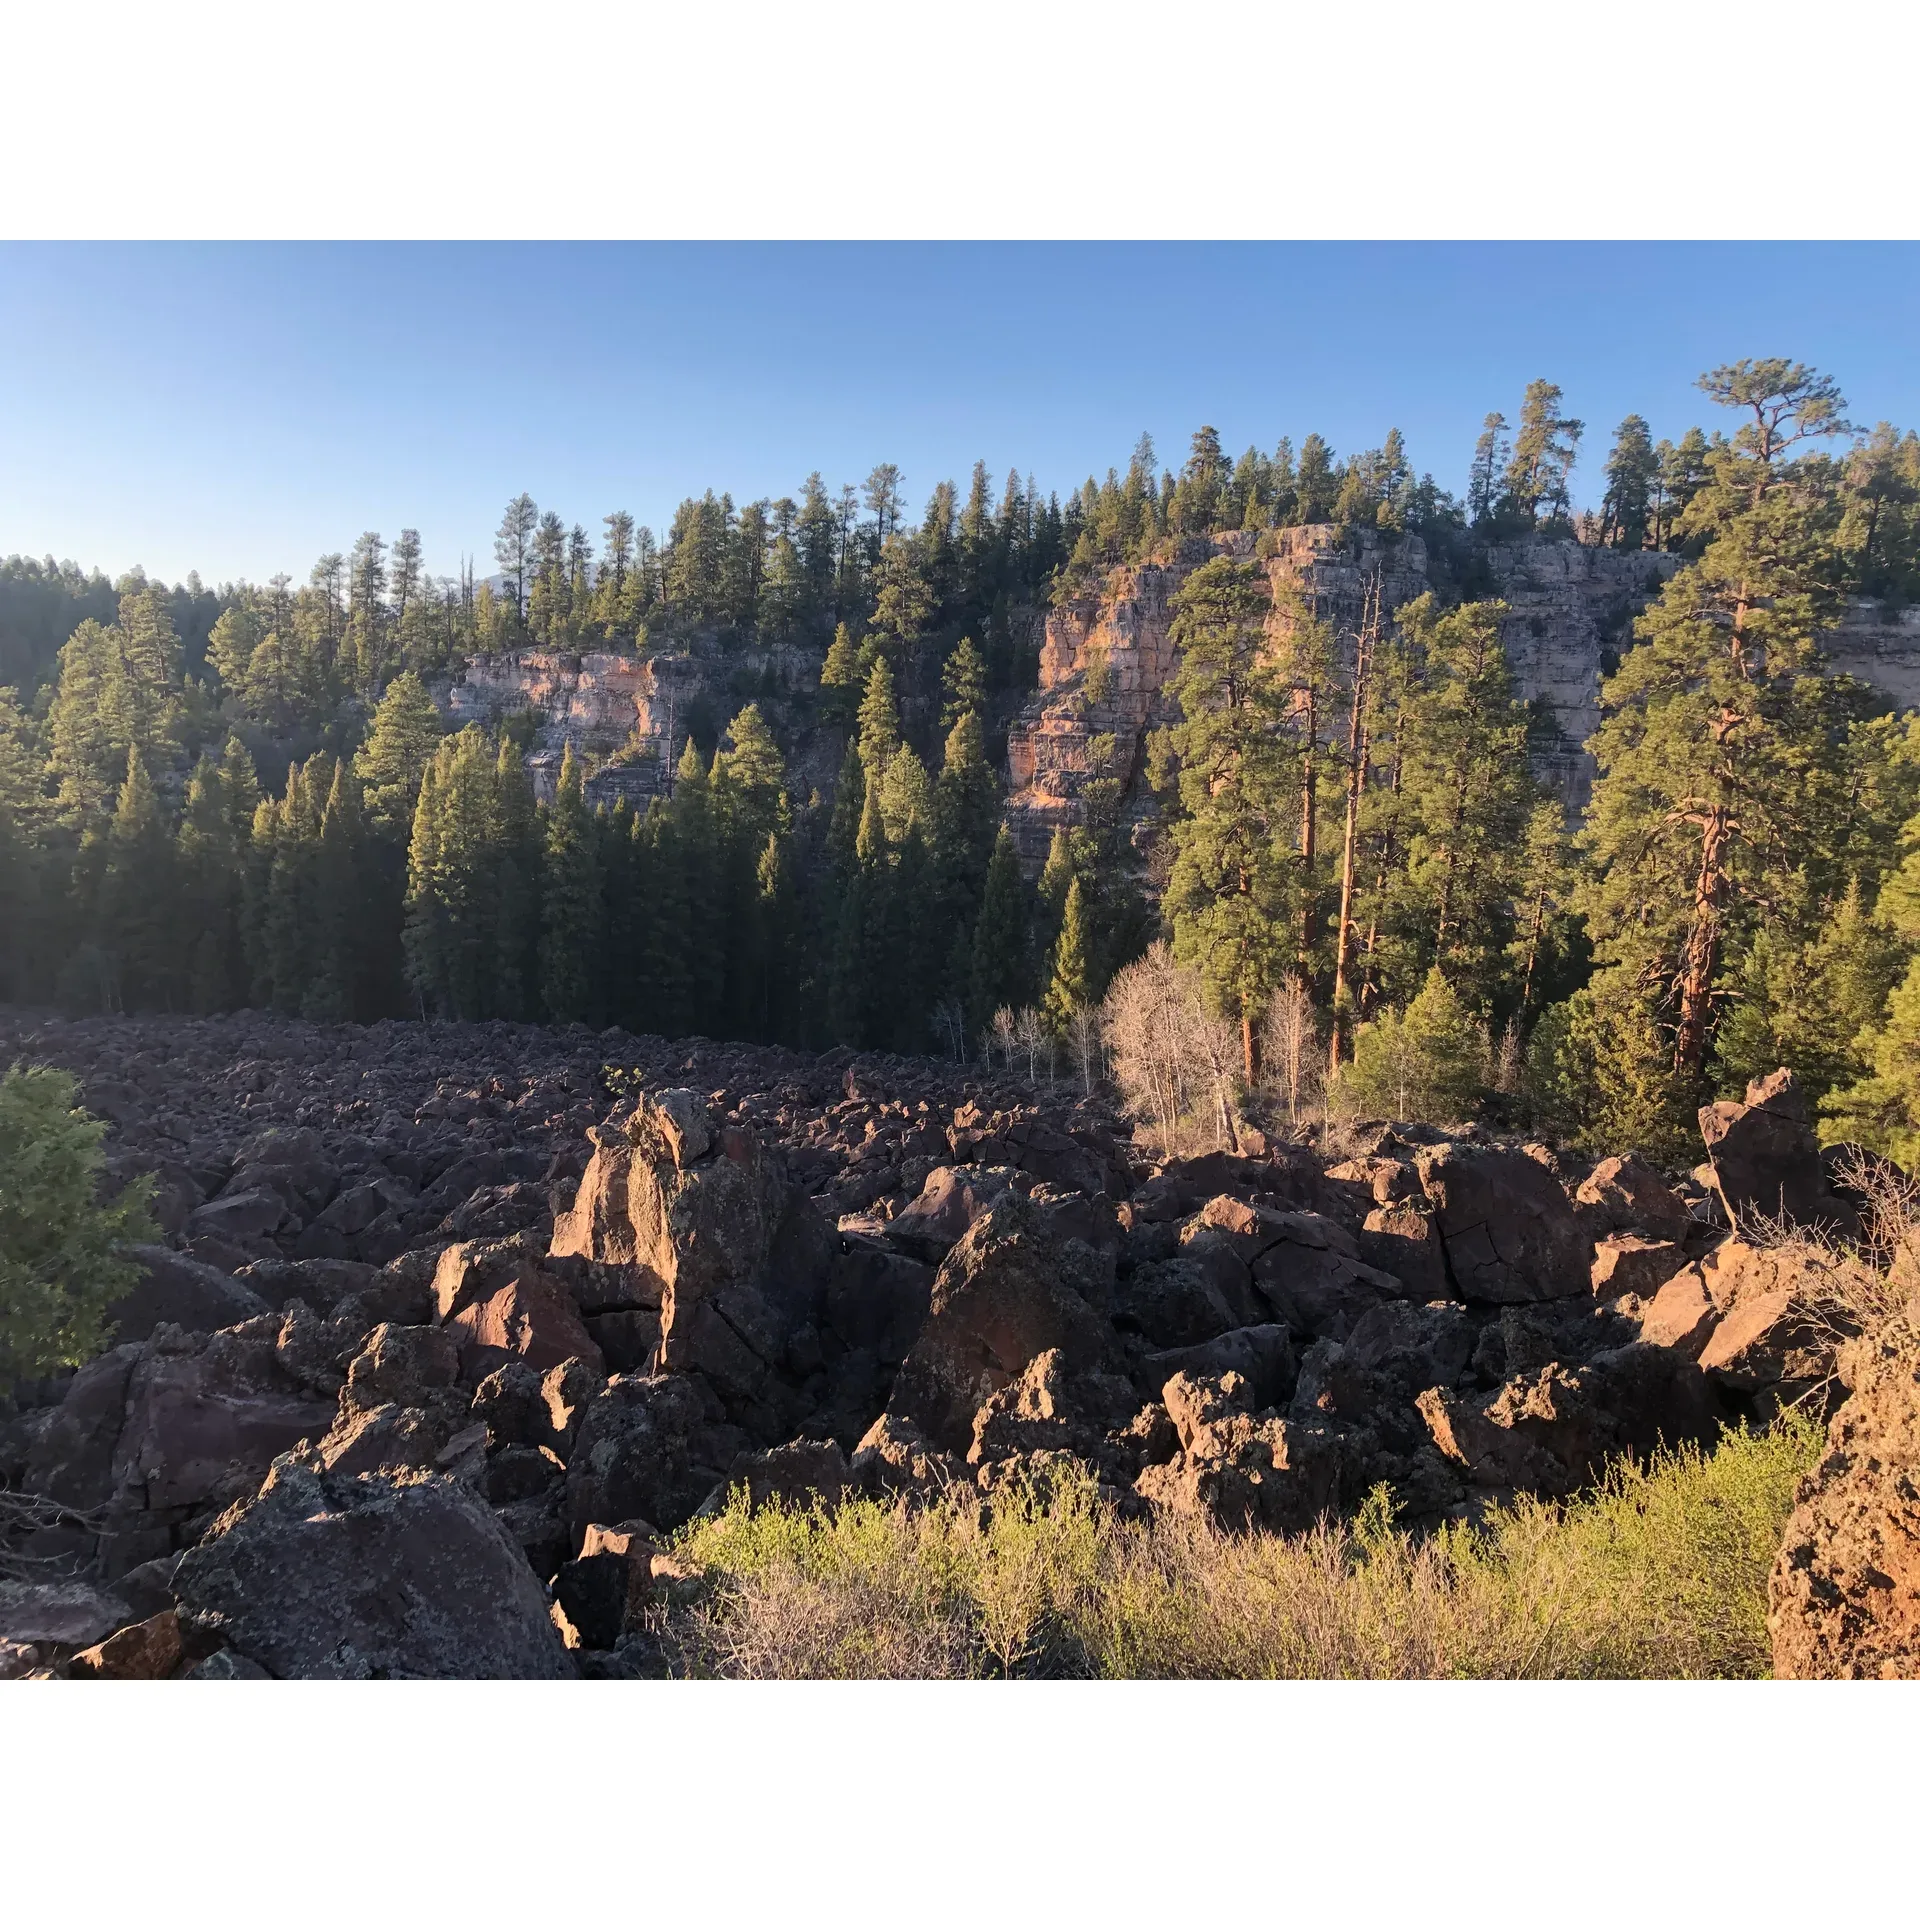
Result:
[[1304, 1266], [1681, 1315], [404, 1366], [326, 1284], [952, 1199], [1625, 1263], [1050, 1408], [71, 1459], [1627, 1196], [1765, 1160], [1176, 1303], [1844, 1595], [1781, 1319], [495, 1300], [1401, 1239], [65, 1613], [629, 1342], [1507, 1228], [1045, 1152], [251, 1218], [648, 1448], [206, 1414], [148, 1650], [895, 1457], [1004, 1295], [390, 1439], [1263, 1356], [1551, 1432], [180, 1291], [334, 1576], [1239, 1469]]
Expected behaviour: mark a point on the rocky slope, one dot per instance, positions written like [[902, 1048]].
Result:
[[453, 1325]]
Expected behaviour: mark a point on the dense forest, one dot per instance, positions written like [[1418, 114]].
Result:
[[247, 796]]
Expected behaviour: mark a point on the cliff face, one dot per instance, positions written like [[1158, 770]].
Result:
[[599, 703], [1571, 610]]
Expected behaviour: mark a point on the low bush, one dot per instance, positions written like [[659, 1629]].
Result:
[[1659, 1573]]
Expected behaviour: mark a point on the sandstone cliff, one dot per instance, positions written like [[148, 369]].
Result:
[[1571, 614]]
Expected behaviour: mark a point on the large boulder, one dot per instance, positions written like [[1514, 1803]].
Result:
[[180, 1291], [1304, 1267], [1780, 1316], [1507, 1227], [383, 1576], [742, 1258], [1844, 1597], [648, 1448], [495, 1298], [1624, 1194], [1011, 1289], [1766, 1160], [952, 1199]]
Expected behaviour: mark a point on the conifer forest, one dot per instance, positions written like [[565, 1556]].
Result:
[[1337, 848]]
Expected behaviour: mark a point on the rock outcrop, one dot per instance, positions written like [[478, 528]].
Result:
[[1844, 1598]]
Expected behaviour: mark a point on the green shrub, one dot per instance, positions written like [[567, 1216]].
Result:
[[61, 1259], [1429, 1063], [1661, 1572]]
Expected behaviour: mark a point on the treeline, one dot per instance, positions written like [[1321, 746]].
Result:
[[419, 877], [1358, 871]]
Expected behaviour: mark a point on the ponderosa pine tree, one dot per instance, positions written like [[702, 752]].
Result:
[[1536, 479], [1718, 748], [393, 759], [1232, 895], [1632, 467]]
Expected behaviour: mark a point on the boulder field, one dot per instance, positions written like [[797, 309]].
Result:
[[451, 1327]]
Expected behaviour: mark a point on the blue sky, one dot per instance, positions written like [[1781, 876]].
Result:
[[241, 409]]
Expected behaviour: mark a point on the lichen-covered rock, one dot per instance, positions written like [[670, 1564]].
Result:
[[648, 1449], [1844, 1596], [337, 1576]]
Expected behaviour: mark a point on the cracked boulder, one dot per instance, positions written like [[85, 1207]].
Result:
[[1010, 1289], [1507, 1229]]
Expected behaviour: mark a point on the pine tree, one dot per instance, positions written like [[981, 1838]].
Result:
[[393, 759], [963, 685], [1067, 989], [26, 876], [571, 923], [1542, 458], [1631, 469], [1000, 934], [339, 985], [879, 722], [515, 860], [1718, 747], [139, 923], [1232, 895]]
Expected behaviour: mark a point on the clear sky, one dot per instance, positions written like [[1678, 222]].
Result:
[[242, 409]]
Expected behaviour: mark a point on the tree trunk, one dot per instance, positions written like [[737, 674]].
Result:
[[1703, 943], [1250, 1050], [1359, 739], [1308, 845]]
